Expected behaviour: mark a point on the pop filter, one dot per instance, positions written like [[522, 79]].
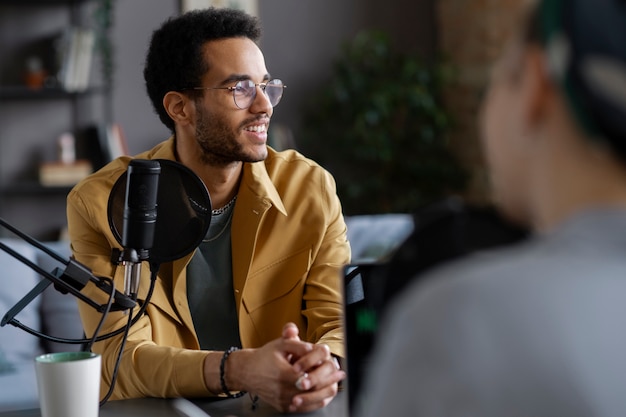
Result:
[[183, 212]]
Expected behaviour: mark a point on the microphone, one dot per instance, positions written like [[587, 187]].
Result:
[[139, 222], [184, 207]]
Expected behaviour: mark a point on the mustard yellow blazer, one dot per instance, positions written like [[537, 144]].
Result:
[[288, 248]]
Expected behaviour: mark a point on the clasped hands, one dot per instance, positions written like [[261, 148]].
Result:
[[289, 374]]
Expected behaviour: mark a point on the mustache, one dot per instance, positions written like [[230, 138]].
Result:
[[257, 119]]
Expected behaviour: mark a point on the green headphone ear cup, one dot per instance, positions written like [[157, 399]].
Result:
[[556, 37]]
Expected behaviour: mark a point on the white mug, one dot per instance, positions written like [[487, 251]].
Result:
[[68, 384]]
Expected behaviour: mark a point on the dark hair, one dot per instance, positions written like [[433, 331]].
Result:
[[590, 30], [175, 61]]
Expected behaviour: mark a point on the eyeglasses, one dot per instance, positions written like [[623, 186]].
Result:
[[244, 92]]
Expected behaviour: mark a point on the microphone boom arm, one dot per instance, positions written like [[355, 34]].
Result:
[[72, 279]]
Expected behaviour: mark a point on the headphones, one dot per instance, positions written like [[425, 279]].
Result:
[[585, 43]]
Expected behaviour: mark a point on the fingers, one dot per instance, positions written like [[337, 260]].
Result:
[[317, 355], [295, 349], [290, 331], [311, 390], [319, 386], [292, 375], [314, 400], [324, 389], [325, 374], [306, 356], [303, 383]]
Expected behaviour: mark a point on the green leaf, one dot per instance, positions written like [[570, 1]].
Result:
[[380, 126]]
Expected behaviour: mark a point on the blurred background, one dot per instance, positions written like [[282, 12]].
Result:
[[384, 94]]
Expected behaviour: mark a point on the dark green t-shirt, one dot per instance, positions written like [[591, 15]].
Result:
[[210, 288]]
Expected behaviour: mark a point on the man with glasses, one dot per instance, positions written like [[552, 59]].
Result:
[[257, 308]]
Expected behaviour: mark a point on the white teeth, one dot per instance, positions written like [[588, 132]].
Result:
[[258, 128]]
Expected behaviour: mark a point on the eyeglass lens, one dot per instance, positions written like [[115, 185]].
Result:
[[245, 92]]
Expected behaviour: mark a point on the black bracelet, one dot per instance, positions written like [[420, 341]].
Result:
[[223, 380], [255, 401]]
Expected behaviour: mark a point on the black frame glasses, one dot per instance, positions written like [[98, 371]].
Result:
[[244, 91]]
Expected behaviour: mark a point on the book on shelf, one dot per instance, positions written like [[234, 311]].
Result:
[[101, 143], [60, 174], [116, 141], [74, 55]]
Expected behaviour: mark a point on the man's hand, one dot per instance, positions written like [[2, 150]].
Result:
[[319, 375], [289, 374]]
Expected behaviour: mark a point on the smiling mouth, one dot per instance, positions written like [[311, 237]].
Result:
[[256, 128]]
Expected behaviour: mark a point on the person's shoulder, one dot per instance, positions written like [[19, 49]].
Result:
[[295, 165], [104, 178], [499, 269], [289, 157]]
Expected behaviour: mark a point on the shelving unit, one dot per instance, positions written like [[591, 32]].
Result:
[[19, 92], [31, 120]]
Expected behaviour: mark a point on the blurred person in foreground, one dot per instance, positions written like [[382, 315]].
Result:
[[257, 308], [536, 329]]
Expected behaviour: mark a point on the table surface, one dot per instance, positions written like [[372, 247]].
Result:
[[240, 407]]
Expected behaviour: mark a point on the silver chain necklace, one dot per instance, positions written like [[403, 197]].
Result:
[[217, 212], [221, 232]]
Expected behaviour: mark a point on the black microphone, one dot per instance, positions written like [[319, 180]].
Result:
[[184, 207], [140, 215]]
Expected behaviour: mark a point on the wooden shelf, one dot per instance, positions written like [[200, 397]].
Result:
[[40, 27], [40, 2], [17, 92]]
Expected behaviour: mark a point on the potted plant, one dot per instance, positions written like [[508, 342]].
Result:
[[380, 127], [103, 22]]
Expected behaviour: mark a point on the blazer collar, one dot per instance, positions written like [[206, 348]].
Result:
[[255, 177], [257, 181]]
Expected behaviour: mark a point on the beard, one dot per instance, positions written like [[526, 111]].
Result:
[[218, 142]]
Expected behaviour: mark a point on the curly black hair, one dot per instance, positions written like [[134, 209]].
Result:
[[175, 61]]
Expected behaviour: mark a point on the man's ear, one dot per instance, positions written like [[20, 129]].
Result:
[[539, 86], [179, 107]]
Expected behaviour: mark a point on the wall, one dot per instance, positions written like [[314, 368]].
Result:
[[134, 22], [471, 35]]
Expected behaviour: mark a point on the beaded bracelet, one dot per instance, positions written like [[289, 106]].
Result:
[[223, 380]]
